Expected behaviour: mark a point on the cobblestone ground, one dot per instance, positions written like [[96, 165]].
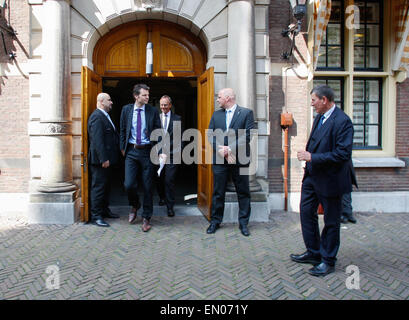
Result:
[[178, 260]]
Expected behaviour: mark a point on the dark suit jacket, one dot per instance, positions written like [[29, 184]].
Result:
[[103, 140], [151, 118], [331, 149], [239, 143], [171, 149]]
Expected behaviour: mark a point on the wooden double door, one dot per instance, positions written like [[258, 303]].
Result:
[[176, 53]]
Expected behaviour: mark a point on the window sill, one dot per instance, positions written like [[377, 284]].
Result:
[[389, 162]]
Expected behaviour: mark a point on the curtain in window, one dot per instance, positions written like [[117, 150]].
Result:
[[322, 13], [401, 55]]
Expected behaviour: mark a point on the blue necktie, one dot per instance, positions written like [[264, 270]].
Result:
[[321, 122], [228, 119]]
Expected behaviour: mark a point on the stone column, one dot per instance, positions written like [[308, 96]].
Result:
[[241, 62], [57, 191]]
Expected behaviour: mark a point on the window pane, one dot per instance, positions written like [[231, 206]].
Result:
[[359, 61], [359, 90], [322, 62], [372, 90], [334, 57], [372, 12], [372, 35], [336, 86], [372, 115], [336, 11], [358, 135], [366, 117], [362, 12], [371, 136], [330, 54], [334, 34], [359, 36], [372, 58], [358, 113], [319, 82]]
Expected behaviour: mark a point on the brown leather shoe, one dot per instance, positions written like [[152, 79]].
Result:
[[132, 217], [146, 225], [133, 214]]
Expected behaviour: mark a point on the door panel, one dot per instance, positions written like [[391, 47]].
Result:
[[205, 108], [176, 52], [91, 86]]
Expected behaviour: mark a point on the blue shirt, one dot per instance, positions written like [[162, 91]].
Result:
[[144, 137]]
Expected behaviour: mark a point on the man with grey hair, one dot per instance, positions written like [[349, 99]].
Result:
[[231, 120], [103, 155], [326, 178]]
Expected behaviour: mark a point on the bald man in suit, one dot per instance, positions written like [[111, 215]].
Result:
[[231, 119], [103, 155]]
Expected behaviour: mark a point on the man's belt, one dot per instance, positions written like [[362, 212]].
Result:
[[139, 146]]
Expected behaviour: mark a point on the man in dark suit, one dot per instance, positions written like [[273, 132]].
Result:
[[138, 120], [231, 150], [169, 153], [327, 177], [103, 155]]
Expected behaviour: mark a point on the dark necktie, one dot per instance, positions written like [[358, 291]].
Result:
[[321, 122], [138, 126], [166, 122], [228, 119]]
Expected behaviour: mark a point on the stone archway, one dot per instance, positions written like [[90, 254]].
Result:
[[121, 53]]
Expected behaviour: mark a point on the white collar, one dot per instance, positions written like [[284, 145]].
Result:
[[103, 111], [232, 109], [329, 112], [135, 107]]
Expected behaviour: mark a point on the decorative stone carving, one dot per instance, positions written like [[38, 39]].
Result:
[[56, 128], [149, 4]]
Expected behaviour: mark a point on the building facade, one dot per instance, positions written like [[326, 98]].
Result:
[[58, 53]]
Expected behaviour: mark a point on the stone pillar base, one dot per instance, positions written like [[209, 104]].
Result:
[[260, 211], [54, 208]]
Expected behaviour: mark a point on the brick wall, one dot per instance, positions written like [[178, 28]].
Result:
[[287, 93], [14, 102], [392, 179], [294, 93]]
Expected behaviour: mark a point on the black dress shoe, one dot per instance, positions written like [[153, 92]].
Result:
[[162, 202], [212, 228], [244, 231], [344, 219], [306, 257], [100, 223], [321, 270], [171, 213], [351, 219], [110, 214]]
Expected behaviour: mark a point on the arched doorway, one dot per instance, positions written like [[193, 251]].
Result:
[[179, 60]]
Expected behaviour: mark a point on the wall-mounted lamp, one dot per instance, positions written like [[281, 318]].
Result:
[[149, 58], [299, 11]]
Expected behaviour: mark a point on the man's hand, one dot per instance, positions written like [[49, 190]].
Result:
[[224, 151], [304, 156], [105, 164], [123, 152]]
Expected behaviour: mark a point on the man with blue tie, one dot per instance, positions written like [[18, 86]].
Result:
[[231, 152], [137, 122], [327, 177]]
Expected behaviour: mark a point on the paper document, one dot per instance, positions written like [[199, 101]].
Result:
[[162, 161]]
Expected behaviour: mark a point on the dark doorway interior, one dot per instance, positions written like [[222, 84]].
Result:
[[183, 92]]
